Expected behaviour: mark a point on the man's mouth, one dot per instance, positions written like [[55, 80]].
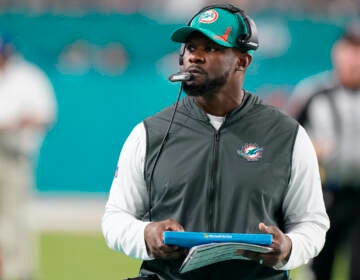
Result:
[[195, 70], [196, 73]]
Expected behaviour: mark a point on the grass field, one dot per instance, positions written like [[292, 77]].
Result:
[[80, 256]]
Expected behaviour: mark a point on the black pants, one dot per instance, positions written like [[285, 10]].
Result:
[[343, 207]]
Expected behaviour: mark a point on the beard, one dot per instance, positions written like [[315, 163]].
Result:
[[208, 87]]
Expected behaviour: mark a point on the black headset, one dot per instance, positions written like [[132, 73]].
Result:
[[245, 42]]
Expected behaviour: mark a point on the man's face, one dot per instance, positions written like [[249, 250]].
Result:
[[346, 58], [5, 53], [210, 64]]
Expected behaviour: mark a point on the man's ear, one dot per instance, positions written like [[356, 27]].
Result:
[[243, 61]]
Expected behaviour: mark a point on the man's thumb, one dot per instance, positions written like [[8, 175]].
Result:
[[264, 228]]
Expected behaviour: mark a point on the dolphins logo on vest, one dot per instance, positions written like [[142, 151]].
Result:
[[250, 152]]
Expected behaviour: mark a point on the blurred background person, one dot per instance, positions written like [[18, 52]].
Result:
[[27, 109], [330, 112]]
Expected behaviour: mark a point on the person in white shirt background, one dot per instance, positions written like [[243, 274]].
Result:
[[27, 111], [329, 111]]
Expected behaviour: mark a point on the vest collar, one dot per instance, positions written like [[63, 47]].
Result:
[[191, 108]]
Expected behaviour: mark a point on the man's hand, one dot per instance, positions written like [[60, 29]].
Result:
[[281, 248], [153, 235]]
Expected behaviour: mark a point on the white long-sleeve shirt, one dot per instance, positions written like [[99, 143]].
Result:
[[306, 221]]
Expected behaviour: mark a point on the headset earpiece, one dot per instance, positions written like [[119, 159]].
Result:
[[251, 40], [246, 42]]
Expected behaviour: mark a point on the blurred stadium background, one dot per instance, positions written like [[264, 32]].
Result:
[[108, 62]]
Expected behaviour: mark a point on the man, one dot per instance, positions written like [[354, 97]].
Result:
[[229, 164], [332, 119], [27, 108]]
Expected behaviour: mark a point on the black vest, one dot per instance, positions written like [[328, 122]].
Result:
[[220, 181]]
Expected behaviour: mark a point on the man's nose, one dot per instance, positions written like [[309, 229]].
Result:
[[197, 56]]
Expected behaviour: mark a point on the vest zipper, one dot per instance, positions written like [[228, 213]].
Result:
[[212, 181]]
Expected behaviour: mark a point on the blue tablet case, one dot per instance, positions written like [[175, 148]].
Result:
[[189, 239]]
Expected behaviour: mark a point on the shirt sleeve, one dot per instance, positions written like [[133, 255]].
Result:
[[306, 221], [121, 224]]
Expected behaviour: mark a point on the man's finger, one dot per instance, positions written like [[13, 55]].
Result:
[[269, 229], [264, 228]]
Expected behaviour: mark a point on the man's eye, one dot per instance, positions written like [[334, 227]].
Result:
[[212, 49], [190, 48]]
